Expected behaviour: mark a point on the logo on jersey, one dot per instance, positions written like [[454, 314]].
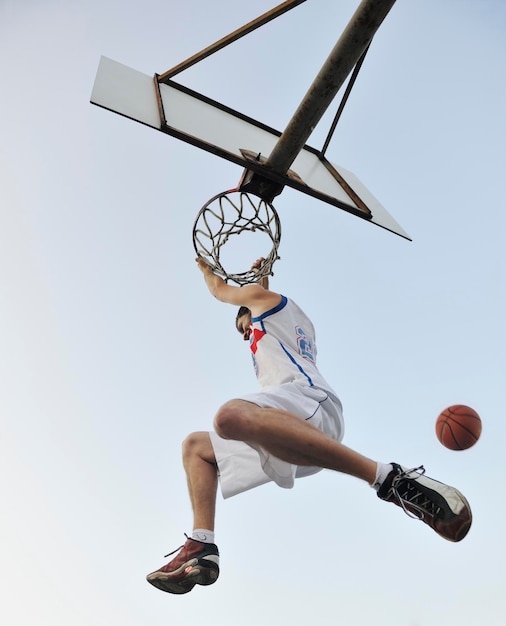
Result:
[[254, 338], [306, 347]]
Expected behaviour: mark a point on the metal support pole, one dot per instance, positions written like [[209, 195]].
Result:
[[346, 53]]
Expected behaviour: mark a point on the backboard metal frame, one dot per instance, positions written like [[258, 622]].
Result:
[[252, 160]]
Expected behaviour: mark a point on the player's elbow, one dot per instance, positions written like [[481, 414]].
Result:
[[215, 285], [217, 292]]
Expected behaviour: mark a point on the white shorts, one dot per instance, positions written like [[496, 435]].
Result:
[[242, 467]]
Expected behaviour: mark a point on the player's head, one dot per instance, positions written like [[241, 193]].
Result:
[[243, 321]]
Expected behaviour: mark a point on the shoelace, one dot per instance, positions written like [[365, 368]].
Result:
[[412, 495], [176, 550]]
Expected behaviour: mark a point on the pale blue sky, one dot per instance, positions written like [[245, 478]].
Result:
[[113, 350]]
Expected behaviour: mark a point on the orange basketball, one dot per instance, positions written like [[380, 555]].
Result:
[[458, 427]]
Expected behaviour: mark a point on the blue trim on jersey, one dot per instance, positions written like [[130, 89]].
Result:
[[277, 308], [301, 370]]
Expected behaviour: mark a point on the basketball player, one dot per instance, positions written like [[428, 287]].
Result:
[[293, 427]]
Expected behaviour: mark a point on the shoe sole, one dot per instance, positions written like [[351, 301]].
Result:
[[193, 572]]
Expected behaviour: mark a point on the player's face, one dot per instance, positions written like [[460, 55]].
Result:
[[244, 326]]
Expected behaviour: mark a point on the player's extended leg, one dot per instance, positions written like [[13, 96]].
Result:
[[290, 438], [295, 441], [197, 563]]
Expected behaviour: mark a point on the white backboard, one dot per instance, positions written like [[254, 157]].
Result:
[[207, 124]]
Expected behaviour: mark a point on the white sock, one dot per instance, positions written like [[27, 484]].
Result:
[[382, 471], [202, 534]]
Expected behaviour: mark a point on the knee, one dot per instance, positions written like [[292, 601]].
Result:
[[195, 444], [232, 419]]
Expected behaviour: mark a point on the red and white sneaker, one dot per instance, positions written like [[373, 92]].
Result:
[[197, 563]]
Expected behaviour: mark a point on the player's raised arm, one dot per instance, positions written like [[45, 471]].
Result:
[[256, 297]]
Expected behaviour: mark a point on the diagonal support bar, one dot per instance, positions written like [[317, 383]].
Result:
[[225, 41], [340, 109]]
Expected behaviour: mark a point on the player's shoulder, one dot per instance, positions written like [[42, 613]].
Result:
[[258, 299]]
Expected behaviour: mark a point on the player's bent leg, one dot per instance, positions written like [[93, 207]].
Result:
[[196, 563], [440, 506], [202, 478]]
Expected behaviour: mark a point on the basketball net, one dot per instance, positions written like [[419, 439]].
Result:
[[229, 214]]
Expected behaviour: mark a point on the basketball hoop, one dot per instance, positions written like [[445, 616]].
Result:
[[234, 213]]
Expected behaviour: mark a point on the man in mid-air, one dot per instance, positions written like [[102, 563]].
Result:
[[293, 427]]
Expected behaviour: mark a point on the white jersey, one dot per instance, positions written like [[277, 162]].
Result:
[[283, 347]]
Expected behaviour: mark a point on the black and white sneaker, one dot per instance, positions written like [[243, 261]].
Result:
[[440, 506]]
